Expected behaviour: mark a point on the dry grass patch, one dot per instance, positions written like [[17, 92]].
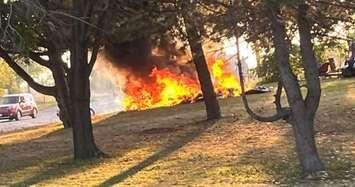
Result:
[[175, 146]]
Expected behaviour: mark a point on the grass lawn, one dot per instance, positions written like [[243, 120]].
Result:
[[176, 146], [44, 102], [43, 106]]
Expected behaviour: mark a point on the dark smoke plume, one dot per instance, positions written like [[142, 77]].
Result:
[[137, 57]]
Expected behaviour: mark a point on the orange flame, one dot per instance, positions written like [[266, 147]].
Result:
[[164, 89], [167, 88], [225, 81]]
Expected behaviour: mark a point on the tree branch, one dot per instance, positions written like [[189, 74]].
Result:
[[98, 37], [37, 58], [309, 62], [93, 58], [282, 113], [47, 90]]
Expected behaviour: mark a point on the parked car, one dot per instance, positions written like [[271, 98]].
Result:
[[17, 105]]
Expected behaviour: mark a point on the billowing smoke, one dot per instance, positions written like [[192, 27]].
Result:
[[137, 59], [135, 56]]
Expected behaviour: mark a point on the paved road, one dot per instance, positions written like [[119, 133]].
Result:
[[101, 105]]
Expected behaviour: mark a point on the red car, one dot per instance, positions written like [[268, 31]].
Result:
[[17, 105]]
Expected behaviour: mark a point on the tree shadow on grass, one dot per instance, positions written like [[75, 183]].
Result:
[[332, 124], [43, 146], [177, 144], [17, 156], [59, 169], [50, 150], [62, 164]]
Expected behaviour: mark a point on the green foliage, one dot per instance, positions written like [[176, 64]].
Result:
[[296, 60], [268, 71], [329, 49], [11, 82], [21, 30]]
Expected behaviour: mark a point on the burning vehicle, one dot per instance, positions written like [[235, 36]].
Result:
[[149, 78]]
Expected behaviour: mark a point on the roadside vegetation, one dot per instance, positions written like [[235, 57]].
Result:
[[44, 102], [176, 146]]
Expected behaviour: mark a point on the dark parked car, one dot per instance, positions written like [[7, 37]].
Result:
[[17, 105]]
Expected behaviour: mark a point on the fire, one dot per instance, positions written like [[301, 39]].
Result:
[[225, 81], [164, 87]]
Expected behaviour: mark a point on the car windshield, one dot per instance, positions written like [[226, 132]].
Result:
[[9, 100]]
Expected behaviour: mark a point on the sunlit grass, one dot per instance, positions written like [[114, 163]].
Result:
[[175, 146]]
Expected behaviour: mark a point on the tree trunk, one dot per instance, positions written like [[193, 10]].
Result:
[[63, 112], [309, 62], [62, 88], [84, 144], [62, 96], [302, 124], [312, 162], [306, 145], [209, 95]]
